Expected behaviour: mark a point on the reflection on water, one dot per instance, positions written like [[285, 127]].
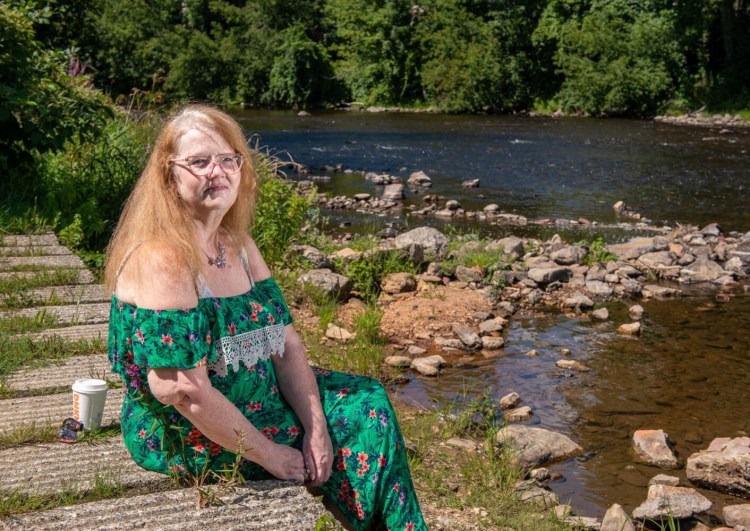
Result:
[[689, 374]]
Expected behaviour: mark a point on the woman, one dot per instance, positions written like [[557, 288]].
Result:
[[203, 340]]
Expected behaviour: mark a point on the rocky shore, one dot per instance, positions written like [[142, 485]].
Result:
[[525, 274]]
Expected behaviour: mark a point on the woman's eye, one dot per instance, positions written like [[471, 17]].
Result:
[[199, 163]]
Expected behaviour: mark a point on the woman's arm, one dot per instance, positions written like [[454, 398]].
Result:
[[191, 393], [299, 388]]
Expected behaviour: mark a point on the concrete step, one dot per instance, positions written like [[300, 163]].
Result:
[[63, 373], [71, 333], [73, 314], [41, 469], [35, 250], [267, 505], [84, 275], [69, 260], [51, 410], [22, 240], [59, 295]]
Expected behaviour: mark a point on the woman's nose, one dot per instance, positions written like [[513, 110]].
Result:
[[216, 171]]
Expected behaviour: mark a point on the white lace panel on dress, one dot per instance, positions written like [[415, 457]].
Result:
[[248, 347]]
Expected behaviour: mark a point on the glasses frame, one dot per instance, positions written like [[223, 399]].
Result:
[[214, 158]]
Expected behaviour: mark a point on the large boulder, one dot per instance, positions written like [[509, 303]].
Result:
[[327, 283], [546, 275], [317, 258], [616, 519], [652, 447], [419, 178], [702, 270], [664, 501], [737, 516], [537, 446], [724, 466], [393, 192], [434, 242]]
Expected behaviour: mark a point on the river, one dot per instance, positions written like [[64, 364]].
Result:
[[689, 374]]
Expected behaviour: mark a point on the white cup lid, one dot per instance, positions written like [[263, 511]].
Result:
[[90, 385]]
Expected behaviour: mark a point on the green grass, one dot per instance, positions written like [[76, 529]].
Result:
[[21, 324], [52, 277], [16, 353]]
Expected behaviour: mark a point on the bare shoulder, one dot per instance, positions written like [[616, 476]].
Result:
[[155, 277], [258, 266]]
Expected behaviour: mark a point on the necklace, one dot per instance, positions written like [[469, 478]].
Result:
[[220, 261]]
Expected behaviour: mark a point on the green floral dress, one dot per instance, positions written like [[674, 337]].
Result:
[[236, 337]]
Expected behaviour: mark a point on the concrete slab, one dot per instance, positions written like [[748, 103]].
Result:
[[84, 275], [48, 238], [70, 260], [267, 505], [71, 333], [60, 295], [35, 250], [71, 467], [63, 373], [51, 410], [73, 314]]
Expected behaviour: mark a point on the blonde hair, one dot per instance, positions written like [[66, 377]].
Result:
[[155, 213]]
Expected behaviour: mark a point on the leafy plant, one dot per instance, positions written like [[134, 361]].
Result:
[[367, 271], [598, 252]]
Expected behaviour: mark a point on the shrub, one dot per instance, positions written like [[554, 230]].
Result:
[[367, 271]]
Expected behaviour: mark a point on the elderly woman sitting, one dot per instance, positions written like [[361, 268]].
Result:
[[204, 342]]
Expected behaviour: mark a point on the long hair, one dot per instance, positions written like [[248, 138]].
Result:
[[155, 213]]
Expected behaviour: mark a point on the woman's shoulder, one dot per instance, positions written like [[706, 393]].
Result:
[[258, 267], [156, 276]]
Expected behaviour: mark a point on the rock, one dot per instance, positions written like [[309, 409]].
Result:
[[428, 366], [540, 498], [327, 283], [652, 447], [450, 342], [347, 255], [712, 229], [737, 515], [602, 314], [467, 336], [520, 414], [617, 519], [567, 255], [469, 274], [636, 312], [338, 333], [630, 329], [702, 270], [656, 259], [492, 343], [512, 219], [548, 275], [398, 361], [578, 300], [398, 283], [537, 446], [598, 288], [510, 400], [303, 113], [663, 479], [419, 178], [632, 249], [664, 501], [572, 365], [362, 197], [393, 192], [491, 208], [473, 183], [492, 325], [414, 350], [464, 444], [724, 466], [652, 290], [317, 258], [434, 242], [512, 246]]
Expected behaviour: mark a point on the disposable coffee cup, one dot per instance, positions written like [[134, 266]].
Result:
[[89, 396]]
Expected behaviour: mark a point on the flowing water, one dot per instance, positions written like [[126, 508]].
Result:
[[689, 374]]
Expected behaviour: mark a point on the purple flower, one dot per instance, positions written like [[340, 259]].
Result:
[[192, 337]]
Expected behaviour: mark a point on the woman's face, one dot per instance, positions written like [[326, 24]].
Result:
[[215, 192]]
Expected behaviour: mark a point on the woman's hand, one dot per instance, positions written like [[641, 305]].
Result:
[[285, 462], [318, 455]]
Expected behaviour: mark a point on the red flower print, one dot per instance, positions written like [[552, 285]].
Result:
[[199, 448], [202, 362], [139, 335], [396, 487], [194, 434], [293, 431], [382, 460], [345, 485], [409, 526], [142, 434], [360, 472], [119, 305], [343, 392], [274, 389], [271, 319], [232, 329], [167, 340], [130, 341], [341, 465], [208, 339], [254, 316], [373, 414], [344, 451], [254, 406], [362, 457], [214, 448], [355, 494], [361, 514]]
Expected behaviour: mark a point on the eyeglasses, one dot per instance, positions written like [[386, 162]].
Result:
[[203, 165]]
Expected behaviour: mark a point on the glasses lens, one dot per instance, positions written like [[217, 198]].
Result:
[[231, 163], [199, 165]]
